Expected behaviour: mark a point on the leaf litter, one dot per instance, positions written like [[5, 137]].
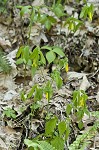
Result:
[[83, 54]]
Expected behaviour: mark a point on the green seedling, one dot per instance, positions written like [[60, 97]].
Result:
[[47, 21], [52, 51], [57, 78], [58, 9], [78, 106], [87, 11], [73, 24], [10, 113], [36, 58]]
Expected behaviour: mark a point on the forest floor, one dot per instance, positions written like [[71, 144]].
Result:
[[82, 50]]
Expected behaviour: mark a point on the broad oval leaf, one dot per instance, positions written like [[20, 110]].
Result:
[[50, 56], [59, 51], [50, 126], [43, 19], [68, 109], [62, 127], [58, 143]]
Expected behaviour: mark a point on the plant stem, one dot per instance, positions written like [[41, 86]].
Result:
[[25, 75], [31, 21]]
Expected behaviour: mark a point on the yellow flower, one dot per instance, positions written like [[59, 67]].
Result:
[[34, 64], [71, 26], [90, 16], [66, 67], [81, 103], [47, 95]]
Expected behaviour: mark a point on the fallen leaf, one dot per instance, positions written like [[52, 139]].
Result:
[[84, 84], [2, 144], [75, 75], [5, 44], [9, 130], [9, 95]]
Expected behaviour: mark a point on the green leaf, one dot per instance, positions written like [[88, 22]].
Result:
[[76, 97], [50, 126], [33, 70], [77, 26], [26, 53], [83, 12], [24, 10], [30, 94], [43, 19], [62, 127], [58, 51], [73, 23], [80, 125], [35, 53], [59, 81], [80, 114], [46, 146], [58, 10], [56, 76], [13, 115], [68, 109], [47, 47], [35, 106], [67, 132], [50, 56], [38, 94], [48, 24], [63, 63], [10, 113], [35, 145], [52, 19], [19, 61], [23, 98], [42, 58], [20, 51], [35, 59], [58, 143]]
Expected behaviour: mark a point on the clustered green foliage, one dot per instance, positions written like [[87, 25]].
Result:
[[78, 106], [41, 145], [56, 131], [83, 140], [36, 16], [5, 66], [10, 113], [36, 58], [3, 5]]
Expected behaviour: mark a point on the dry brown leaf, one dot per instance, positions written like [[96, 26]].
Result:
[[84, 84], [5, 44]]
